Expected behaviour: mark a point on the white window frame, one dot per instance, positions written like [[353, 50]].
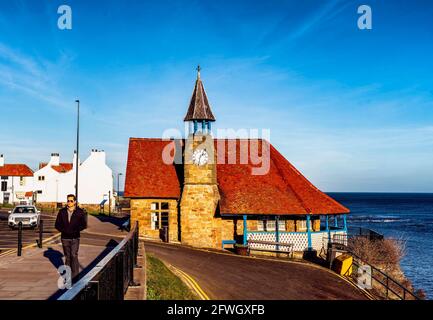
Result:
[[156, 212]]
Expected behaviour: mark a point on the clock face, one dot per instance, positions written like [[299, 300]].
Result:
[[200, 157]]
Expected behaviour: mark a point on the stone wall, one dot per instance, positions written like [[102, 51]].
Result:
[[141, 212], [199, 226]]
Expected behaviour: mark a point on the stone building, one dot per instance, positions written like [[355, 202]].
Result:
[[209, 193]]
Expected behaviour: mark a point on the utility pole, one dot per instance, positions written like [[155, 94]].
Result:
[[118, 190], [78, 145]]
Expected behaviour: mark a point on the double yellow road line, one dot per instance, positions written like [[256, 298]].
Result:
[[190, 282]]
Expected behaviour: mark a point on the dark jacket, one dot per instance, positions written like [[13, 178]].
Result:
[[71, 230]]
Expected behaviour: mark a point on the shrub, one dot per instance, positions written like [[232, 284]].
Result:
[[384, 254]]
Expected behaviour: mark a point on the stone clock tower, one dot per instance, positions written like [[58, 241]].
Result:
[[200, 195]]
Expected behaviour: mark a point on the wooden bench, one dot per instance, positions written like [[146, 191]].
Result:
[[280, 244], [224, 242]]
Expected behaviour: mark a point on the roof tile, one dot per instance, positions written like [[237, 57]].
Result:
[[16, 170]]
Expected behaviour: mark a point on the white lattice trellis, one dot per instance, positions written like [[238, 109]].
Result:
[[299, 240], [317, 240]]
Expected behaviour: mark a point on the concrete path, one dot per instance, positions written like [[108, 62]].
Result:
[[33, 276], [231, 277]]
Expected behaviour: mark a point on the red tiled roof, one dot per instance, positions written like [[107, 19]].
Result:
[[147, 176], [282, 190], [16, 170], [199, 108], [61, 168]]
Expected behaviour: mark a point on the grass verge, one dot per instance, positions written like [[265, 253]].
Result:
[[162, 284]]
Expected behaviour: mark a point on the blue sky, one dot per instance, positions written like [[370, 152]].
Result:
[[351, 109]]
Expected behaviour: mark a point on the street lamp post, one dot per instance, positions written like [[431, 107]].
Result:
[[118, 190], [78, 144]]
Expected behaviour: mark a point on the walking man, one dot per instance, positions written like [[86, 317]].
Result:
[[70, 221]]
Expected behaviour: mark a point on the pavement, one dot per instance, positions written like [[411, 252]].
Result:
[[34, 276], [231, 277]]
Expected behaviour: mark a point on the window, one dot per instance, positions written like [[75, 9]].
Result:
[[154, 220], [159, 215], [164, 219], [4, 186], [4, 177], [301, 225], [41, 178], [22, 181], [282, 225], [269, 225], [260, 225]]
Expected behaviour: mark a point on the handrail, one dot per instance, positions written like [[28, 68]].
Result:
[[83, 283], [386, 276], [365, 232]]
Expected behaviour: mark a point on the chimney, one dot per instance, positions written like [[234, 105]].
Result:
[[98, 155], [55, 159], [2, 161]]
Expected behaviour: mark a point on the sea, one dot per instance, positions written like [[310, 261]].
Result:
[[399, 215]]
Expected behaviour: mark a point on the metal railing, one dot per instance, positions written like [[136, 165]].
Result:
[[382, 285], [364, 232], [110, 278], [20, 239]]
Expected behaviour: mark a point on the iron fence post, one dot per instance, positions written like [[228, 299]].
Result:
[[91, 291], [41, 230], [20, 238], [119, 286]]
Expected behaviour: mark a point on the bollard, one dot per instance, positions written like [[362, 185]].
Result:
[[20, 238], [41, 231]]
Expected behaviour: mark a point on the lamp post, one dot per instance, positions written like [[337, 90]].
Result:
[[78, 145], [118, 190]]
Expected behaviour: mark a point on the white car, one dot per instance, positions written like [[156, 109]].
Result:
[[28, 215]]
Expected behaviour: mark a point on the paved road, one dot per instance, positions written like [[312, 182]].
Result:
[[232, 277], [9, 237]]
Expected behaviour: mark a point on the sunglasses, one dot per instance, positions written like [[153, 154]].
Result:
[[72, 201]]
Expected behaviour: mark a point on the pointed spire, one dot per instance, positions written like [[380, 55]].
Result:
[[199, 108]]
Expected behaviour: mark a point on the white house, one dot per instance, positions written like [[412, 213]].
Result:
[[16, 183], [55, 180]]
